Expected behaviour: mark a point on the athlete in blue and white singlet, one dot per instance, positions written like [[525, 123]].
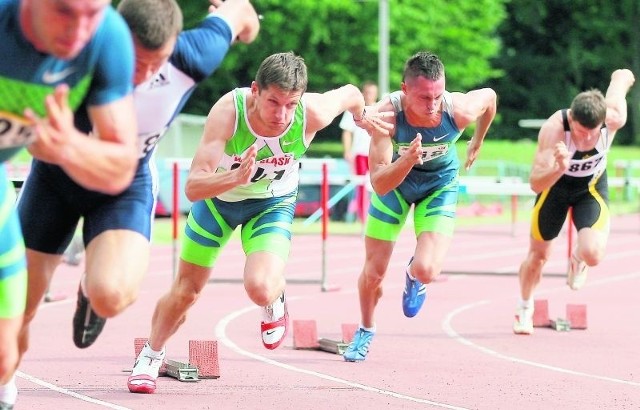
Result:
[[75, 71]]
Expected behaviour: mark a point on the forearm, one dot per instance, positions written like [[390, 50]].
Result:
[[99, 165], [542, 179], [204, 185], [385, 178]]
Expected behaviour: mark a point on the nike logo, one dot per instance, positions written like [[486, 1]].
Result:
[[50, 78], [270, 332], [436, 139], [284, 143]]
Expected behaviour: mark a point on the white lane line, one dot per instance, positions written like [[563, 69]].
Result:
[[69, 392], [451, 332], [221, 335]]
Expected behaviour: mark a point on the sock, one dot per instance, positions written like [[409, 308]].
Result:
[[148, 351], [371, 329], [9, 392], [409, 273], [525, 304]]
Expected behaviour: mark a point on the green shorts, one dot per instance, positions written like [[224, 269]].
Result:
[[266, 226]]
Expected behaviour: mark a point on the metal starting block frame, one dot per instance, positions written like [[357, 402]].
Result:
[[332, 346], [184, 372], [561, 325]]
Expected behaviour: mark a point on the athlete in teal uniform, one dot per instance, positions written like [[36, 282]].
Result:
[[245, 173], [569, 171], [419, 167], [73, 71]]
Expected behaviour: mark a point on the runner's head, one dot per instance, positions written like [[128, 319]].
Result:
[[155, 25]]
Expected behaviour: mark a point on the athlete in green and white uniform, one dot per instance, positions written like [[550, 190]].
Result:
[[245, 173]]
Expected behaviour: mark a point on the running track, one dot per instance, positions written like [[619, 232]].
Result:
[[458, 353]]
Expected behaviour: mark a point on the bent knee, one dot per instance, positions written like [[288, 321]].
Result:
[[425, 272], [109, 302]]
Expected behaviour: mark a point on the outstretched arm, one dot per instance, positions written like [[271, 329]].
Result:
[[616, 98], [241, 15], [475, 106]]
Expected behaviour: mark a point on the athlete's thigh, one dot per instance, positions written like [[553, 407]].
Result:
[[549, 214], [13, 265], [117, 259], [132, 210], [47, 217], [387, 215], [206, 232], [436, 213], [590, 208], [269, 227]]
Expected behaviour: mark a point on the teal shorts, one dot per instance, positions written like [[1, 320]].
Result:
[[13, 264], [266, 226], [433, 213]]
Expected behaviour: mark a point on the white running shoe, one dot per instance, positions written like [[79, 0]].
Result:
[[577, 275], [523, 324], [275, 323], [145, 371]]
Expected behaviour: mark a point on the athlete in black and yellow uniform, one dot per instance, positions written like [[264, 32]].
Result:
[[569, 171]]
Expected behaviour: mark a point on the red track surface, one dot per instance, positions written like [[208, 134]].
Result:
[[459, 352]]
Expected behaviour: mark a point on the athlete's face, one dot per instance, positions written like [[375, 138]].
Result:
[[61, 27], [148, 62], [423, 97], [584, 138], [275, 107]]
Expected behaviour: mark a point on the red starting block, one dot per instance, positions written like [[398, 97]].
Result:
[[577, 316], [541, 313], [305, 334], [203, 354], [348, 330]]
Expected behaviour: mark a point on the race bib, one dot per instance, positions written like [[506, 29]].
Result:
[[147, 142], [429, 152], [15, 131]]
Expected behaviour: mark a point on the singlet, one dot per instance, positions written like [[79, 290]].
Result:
[[584, 164], [197, 54], [277, 162], [439, 143], [100, 74]]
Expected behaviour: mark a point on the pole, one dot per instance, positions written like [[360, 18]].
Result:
[[383, 47], [175, 214], [324, 198]]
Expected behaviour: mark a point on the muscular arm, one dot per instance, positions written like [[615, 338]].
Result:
[[203, 181], [386, 175], [477, 106], [621, 82], [242, 17], [323, 108], [551, 157]]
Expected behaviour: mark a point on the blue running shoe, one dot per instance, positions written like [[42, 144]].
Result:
[[359, 346], [414, 295]]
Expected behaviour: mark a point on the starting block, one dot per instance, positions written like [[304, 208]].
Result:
[[182, 371], [561, 325], [541, 313], [305, 336], [203, 355], [577, 315], [332, 346]]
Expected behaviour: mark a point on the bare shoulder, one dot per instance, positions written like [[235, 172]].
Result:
[[552, 130]]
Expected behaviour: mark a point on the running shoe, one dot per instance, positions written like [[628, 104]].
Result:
[[5, 406], [414, 295], [275, 324], [87, 326], [523, 324], [145, 371], [359, 346], [577, 275]]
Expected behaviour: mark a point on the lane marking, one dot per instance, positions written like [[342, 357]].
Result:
[[221, 335], [451, 332], [73, 394]]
